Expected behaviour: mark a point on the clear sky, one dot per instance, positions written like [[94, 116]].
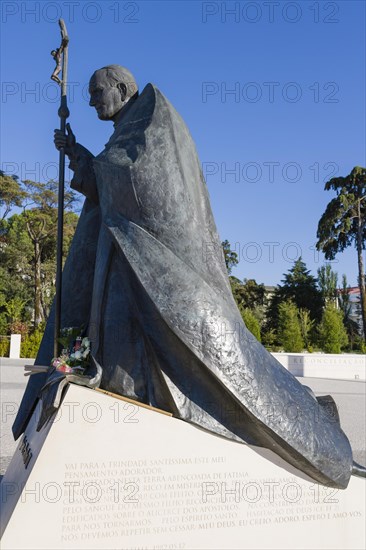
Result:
[[272, 92]]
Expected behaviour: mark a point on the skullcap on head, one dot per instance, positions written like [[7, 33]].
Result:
[[117, 74]]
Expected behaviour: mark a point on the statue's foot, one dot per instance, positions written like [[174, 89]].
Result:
[[358, 470]]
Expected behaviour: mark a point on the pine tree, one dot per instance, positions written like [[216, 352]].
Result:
[[344, 223], [289, 330], [231, 257], [332, 332], [251, 322], [306, 326], [300, 287], [327, 281]]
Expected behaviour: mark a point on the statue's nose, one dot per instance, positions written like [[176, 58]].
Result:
[[92, 100]]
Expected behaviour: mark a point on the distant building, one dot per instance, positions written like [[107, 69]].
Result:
[[269, 292], [268, 295]]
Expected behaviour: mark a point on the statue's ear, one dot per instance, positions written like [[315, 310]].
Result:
[[123, 89]]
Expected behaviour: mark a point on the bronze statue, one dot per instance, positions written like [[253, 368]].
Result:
[[152, 289]]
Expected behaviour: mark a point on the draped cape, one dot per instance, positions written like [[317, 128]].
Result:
[[146, 275]]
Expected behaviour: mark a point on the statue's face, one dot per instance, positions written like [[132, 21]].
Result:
[[105, 96]]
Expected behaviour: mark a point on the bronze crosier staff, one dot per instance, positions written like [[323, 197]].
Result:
[[61, 58]]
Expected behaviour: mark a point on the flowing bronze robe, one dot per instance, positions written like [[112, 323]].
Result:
[[146, 273]]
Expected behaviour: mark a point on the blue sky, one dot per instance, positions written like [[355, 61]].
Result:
[[272, 92]]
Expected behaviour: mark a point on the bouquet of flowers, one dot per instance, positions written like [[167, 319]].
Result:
[[75, 364], [74, 358]]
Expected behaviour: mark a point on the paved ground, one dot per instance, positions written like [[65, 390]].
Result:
[[349, 395], [12, 385]]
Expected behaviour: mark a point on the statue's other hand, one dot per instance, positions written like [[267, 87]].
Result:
[[67, 141]]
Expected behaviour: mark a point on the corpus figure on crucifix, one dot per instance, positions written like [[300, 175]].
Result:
[[57, 56]]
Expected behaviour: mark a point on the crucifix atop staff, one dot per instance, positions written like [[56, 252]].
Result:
[[57, 54], [60, 56]]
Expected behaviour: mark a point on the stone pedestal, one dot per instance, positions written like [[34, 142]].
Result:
[[109, 473]]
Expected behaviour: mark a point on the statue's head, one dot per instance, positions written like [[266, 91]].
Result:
[[110, 89]]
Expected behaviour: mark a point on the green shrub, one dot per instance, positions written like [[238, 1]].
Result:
[[3, 323], [30, 344], [332, 332], [289, 330], [18, 327], [4, 347], [251, 322]]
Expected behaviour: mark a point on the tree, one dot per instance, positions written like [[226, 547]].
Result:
[[14, 309], [344, 223], [300, 287], [28, 248], [15, 259], [327, 281], [42, 230], [250, 296], [289, 330], [248, 293], [306, 326], [332, 332], [251, 322], [231, 257], [11, 193]]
